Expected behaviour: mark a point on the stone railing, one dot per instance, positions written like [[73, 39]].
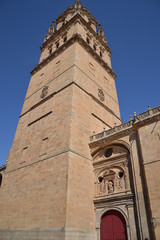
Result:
[[128, 125]]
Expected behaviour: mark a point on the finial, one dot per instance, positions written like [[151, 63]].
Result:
[[100, 32], [135, 117], [52, 28], [150, 110], [78, 2]]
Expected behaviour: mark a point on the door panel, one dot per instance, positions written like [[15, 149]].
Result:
[[113, 226]]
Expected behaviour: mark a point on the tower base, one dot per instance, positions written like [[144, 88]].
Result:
[[45, 234]]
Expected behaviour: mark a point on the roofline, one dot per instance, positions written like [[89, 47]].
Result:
[[139, 120]]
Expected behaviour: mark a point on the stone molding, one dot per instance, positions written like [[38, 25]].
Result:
[[75, 38]]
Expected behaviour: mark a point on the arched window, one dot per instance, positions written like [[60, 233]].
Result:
[[0, 179], [50, 51], [57, 45], [88, 41], [65, 39], [100, 54]]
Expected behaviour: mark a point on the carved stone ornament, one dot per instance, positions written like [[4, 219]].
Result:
[[101, 95], [44, 92]]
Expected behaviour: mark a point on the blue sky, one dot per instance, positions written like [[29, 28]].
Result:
[[132, 29]]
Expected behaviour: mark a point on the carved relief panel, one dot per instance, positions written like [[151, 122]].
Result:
[[111, 172]]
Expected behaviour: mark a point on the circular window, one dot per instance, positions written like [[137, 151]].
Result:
[[108, 152], [100, 179], [121, 174]]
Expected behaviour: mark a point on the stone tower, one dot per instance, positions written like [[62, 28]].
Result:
[[48, 186]]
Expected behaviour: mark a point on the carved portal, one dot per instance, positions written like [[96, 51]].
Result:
[[111, 172]]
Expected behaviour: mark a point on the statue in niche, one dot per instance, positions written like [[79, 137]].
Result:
[[101, 189], [119, 185], [110, 187], [106, 187]]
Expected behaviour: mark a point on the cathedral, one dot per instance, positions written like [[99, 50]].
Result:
[[75, 171]]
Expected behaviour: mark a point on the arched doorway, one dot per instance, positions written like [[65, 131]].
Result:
[[113, 226]]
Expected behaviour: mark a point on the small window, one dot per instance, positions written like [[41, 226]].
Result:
[[91, 65], [101, 54], [88, 41], [94, 47], [65, 39], [0, 179], [44, 146], [50, 51], [24, 153], [58, 62], [57, 45]]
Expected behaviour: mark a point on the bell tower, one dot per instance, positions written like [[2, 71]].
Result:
[[48, 186]]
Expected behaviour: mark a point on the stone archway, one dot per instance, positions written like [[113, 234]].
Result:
[[113, 226]]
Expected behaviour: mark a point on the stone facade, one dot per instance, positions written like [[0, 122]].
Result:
[[125, 160], [55, 186], [48, 186]]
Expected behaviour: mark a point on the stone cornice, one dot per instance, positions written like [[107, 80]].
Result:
[[2, 168], [67, 25], [122, 196], [75, 38], [140, 120]]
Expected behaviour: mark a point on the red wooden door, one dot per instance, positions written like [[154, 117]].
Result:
[[113, 226]]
